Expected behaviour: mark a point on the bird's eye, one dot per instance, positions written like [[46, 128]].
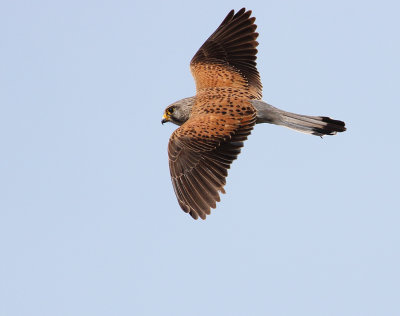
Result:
[[170, 111]]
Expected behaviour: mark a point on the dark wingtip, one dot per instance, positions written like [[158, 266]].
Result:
[[194, 215]]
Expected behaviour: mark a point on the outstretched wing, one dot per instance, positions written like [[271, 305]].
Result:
[[228, 57], [200, 153]]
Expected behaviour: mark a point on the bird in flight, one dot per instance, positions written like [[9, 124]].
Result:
[[218, 119]]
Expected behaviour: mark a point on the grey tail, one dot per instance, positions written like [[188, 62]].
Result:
[[315, 125]]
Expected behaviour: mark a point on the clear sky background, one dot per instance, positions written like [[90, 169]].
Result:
[[89, 223]]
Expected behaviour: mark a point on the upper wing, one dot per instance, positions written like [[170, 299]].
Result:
[[200, 153], [228, 57]]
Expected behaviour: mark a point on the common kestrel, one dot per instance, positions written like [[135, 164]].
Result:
[[218, 119]]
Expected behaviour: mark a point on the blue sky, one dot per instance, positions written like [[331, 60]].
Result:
[[89, 224]]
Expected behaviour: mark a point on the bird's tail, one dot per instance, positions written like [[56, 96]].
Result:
[[315, 125]]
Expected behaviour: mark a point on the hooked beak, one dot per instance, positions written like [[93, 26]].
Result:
[[164, 119]]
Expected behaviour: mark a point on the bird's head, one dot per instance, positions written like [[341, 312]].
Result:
[[179, 111]]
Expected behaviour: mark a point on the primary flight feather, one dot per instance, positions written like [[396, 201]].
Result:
[[218, 119]]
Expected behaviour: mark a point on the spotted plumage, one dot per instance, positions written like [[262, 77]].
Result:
[[219, 118]]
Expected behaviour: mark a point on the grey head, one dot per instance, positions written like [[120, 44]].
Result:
[[179, 111]]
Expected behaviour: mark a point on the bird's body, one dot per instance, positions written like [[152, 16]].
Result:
[[266, 113], [218, 119]]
